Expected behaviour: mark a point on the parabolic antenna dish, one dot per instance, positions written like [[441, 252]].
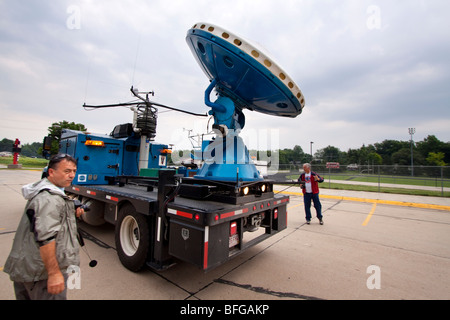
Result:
[[243, 72]]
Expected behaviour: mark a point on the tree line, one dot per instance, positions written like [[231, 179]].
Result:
[[35, 149], [429, 152], [28, 150]]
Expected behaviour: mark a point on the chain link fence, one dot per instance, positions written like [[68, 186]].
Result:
[[429, 178]]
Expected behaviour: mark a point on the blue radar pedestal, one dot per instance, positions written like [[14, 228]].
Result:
[[244, 77]]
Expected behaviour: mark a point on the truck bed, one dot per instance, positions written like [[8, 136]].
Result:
[[145, 202], [140, 193], [204, 233]]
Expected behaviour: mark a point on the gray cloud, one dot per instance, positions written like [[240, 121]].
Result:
[[368, 69]]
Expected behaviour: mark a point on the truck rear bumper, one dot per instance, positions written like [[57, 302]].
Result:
[[209, 246]]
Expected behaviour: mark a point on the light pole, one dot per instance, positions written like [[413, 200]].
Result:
[[411, 133], [310, 149]]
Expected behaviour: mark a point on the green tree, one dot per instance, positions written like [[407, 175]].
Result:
[[6, 145], [436, 159], [388, 147], [433, 144], [375, 158], [292, 155], [31, 150], [55, 132], [328, 154], [353, 156], [402, 157], [429, 144]]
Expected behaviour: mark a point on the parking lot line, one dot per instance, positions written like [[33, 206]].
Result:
[[366, 222], [297, 205]]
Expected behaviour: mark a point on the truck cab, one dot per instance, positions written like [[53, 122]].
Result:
[[103, 157]]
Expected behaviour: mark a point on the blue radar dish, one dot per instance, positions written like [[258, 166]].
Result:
[[243, 72]]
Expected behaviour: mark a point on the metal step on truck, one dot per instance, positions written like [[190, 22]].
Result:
[[205, 215]]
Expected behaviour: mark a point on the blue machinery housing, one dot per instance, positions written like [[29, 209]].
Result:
[[101, 158], [241, 82]]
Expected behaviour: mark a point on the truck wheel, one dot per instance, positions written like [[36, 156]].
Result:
[[96, 213], [132, 238]]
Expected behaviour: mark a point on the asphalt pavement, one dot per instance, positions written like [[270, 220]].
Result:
[[372, 246]]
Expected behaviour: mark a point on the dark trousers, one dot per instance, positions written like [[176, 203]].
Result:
[[307, 197], [37, 291]]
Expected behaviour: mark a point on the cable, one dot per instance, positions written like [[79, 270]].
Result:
[[285, 188], [130, 104]]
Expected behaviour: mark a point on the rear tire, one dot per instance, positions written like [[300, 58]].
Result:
[[132, 235], [96, 213]]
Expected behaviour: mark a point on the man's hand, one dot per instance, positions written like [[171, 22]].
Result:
[[55, 283], [79, 212]]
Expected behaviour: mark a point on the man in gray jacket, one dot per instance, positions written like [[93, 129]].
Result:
[[46, 243]]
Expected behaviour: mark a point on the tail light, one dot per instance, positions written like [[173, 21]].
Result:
[[233, 240], [233, 228], [275, 213]]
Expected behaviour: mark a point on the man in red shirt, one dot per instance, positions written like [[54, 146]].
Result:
[[310, 186]]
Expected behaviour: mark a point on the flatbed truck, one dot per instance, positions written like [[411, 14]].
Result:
[[156, 225], [204, 216]]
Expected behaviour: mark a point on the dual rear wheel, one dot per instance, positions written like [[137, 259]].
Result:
[[132, 237]]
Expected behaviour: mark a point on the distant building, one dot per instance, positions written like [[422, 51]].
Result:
[[6, 154]]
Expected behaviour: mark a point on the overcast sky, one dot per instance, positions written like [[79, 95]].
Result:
[[369, 69]]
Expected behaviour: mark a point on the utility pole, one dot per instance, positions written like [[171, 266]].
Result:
[[411, 133]]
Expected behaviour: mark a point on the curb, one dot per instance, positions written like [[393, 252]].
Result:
[[388, 202]]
